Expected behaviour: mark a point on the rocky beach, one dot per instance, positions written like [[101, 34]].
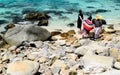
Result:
[[29, 49], [47, 41]]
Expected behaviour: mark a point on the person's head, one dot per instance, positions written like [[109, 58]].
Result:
[[98, 17], [80, 11], [90, 18]]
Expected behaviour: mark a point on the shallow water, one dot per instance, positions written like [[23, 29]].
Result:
[[64, 10]]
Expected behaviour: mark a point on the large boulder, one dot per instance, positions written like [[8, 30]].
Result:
[[25, 67], [36, 16], [18, 34], [97, 64]]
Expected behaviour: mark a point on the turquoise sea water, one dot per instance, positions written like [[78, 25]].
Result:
[[59, 9]]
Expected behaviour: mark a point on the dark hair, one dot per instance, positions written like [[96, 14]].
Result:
[[80, 11], [90, 18]]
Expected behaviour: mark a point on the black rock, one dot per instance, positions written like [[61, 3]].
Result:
[[101, 11], [36, 16], [3, 21], [0, 37], [17, 19], [28, 10], [32, 45], [71, 24], [90, 7], [43, 22]]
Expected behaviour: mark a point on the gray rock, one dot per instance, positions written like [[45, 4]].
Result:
[[18, 34], [97, 64]]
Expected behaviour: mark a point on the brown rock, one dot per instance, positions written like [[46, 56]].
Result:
[[64, 35], [118, 58], [71, 32], [55, 33], [36, 16], [43, 22], [110, 27], [73, 73], [71, 39], [10, 25]]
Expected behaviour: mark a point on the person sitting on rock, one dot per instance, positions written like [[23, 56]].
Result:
[[87, 26]]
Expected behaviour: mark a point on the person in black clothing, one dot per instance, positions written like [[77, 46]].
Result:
[[80, 18]]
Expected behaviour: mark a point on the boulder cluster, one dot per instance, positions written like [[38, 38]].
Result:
[[27, 51]]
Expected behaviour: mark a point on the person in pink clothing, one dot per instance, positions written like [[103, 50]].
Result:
[[87, 26]]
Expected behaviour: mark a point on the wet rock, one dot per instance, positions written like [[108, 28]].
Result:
[[90, 7], [17, 19], [36, 16], [25, 67], [3, 21], [102, 10], [10, 25], [43, 22], [28, 10], [54, 12], [71, 24]]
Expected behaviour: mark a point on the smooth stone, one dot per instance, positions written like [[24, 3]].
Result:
[[25, 67]]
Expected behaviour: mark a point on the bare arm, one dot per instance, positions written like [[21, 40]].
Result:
[[80, 18]]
